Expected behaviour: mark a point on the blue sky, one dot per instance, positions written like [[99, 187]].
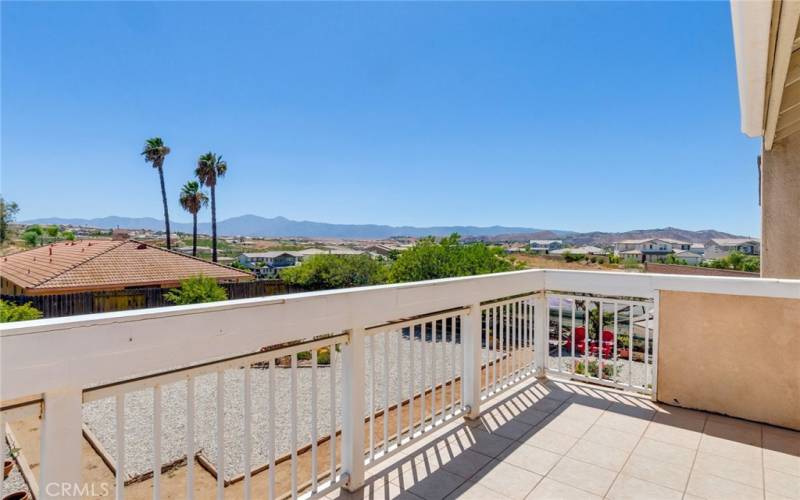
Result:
[[582, 116]]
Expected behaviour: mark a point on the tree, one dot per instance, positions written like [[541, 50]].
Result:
[[154, 152], [737, 261], [210, 168], [8, 213], [52, 231], [192, 200], [324, 272], [196, 290], [68, 235], [428, 260], [12, 312]]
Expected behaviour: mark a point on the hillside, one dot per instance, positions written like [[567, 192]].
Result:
[[254, 225], [598, 238]]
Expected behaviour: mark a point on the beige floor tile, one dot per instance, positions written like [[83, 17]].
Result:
[[474, 491], [680, 417], [658, 472], [566, 425], [598, 454], [734, 470], [578, 411], [504, 478], [466, 464], [547, 405], [734, 450], [640, 409], [488, 443], [530, 458], [611, 437], [665, 452], [768, 495], [780, 483], [585, 476], [531, 416], [716, 488], [549, 440], [623, 423], [783, 462], [673, 434], [549, 489], [733, 430], [431, 486], [513, 430], [631, 488]]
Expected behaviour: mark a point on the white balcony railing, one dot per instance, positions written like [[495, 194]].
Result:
[[240, 386]]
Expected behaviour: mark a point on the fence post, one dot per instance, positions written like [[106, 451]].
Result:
[[471, 326], [60, 446], [353, 410], [540, 334], [654, 340]]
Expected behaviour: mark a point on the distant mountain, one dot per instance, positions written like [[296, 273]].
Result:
[[598, 238], [254, 225]]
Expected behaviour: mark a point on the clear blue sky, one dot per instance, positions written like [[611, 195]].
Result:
[[583, 116]]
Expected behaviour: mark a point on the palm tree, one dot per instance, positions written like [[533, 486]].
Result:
[[192, 200], [154, 152], [211, 167]]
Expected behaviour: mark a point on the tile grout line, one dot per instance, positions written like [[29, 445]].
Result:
[[694, 459], [616, 477]]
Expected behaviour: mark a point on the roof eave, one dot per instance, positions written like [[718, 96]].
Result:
[[751, 35]]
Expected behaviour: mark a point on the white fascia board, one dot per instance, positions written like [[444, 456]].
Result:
[[751, 30]]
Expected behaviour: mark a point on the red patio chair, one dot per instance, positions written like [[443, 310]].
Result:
[[580, 342], [607, 345]]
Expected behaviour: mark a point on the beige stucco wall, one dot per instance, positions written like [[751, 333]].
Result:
[[780, 209], [730, 354]]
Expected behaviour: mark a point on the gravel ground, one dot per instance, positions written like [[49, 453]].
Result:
[[100, 415], [14, 482]]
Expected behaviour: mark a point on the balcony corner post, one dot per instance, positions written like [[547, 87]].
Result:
[[471, 382], [60, 447], [540, 335], [353, 388]]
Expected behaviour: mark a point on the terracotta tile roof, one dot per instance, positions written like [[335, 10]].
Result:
[[105, 264]]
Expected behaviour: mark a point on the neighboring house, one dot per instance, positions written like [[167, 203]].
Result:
[[268, 264], [697, 248], [104, 266], [690, 258], [545, 246], [584, 250], [650, 249], [718, 248]]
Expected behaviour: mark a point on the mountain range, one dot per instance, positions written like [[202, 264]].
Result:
[[254, 225]]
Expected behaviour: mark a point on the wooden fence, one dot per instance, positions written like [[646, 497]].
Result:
[[70, 304]]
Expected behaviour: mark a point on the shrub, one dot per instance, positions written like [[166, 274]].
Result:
[[429, 259], [324, 272], [630, 263], [573, 257], [10, 312], [196, 290], [608, 369]]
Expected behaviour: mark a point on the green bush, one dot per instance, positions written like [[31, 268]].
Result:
[[324, 272], [429, 259], [608, 369], [12, 312], [196, 290], [573, 257], [630, 263]]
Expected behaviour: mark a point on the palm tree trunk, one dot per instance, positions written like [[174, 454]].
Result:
[[194, 234], [164, 199], [213, 224]]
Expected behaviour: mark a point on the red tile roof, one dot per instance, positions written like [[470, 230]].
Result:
[[105, 264]]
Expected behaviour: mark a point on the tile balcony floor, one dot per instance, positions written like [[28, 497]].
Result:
[[562, 440]]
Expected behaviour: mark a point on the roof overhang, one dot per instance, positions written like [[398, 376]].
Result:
[[767, 43]]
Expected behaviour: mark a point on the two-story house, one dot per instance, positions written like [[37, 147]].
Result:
[[650, 249], [717, 248], [545, 246]]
